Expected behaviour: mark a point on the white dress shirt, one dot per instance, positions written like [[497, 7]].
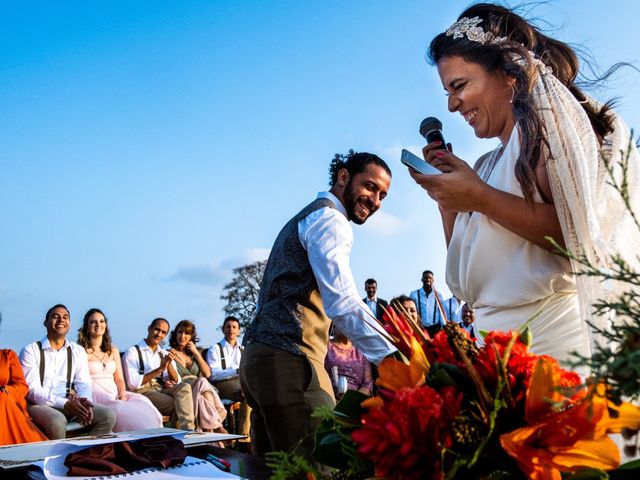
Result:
[[327, 237], [150, 359], [52, 391], [232, 355]]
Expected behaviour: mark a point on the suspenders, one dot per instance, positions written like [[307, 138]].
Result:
[[141, 363], [223, 359], [69, 368], [435, 304]]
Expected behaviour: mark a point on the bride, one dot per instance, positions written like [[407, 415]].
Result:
[[547, 178]]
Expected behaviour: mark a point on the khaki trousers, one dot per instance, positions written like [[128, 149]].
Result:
[[283, 390], [53, 422], [176, 401]]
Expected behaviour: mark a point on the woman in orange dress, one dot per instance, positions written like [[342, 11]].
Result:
[[15, 424]]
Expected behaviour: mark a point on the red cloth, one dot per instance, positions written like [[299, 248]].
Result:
[[15, 424], [123, 457]]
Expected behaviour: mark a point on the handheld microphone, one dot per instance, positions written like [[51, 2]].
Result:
[[431, 130]]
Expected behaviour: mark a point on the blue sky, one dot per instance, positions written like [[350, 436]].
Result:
[[147, 148]]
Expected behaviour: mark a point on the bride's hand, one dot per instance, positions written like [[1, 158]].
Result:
[[458, 189]]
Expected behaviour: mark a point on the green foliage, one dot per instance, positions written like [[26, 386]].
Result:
[[289, 466], [241, 293], [334, 446]]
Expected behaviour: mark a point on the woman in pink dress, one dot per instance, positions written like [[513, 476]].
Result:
[[134, 411]]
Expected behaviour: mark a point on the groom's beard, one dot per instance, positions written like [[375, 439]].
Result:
[[354, 206]]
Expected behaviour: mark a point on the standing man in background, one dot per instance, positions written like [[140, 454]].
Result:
[[308, 283], [376, 305], [427, 300]]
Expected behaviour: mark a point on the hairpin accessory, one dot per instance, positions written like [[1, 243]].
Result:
[[469, 27]]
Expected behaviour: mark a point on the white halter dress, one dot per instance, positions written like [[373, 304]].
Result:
[[507, 279]]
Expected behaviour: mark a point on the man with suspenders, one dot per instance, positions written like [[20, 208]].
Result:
[[149, 370], [57, 373], [429, 302], [224, 360]]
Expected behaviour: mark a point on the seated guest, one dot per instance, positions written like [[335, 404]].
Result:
[[149, 370], [133, 411], [344, 361], [15, 424], [406, 306], [57, 373], [467, 324], [193, 370], [223, 359]]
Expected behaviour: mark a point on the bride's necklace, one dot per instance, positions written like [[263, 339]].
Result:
[[102, 360]]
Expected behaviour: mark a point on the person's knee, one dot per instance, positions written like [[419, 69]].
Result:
[[50, 420], [182, 390], [104, 416]]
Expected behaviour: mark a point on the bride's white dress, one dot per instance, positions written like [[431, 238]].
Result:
[[507, 279]]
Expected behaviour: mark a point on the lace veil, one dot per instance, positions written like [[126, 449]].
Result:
[[594, 219]]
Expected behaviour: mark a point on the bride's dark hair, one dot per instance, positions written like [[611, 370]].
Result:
[[512, 58]]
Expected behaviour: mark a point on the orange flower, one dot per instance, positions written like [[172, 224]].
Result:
[[394, 374], [565, 434]]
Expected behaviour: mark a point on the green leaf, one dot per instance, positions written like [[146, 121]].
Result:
[[350, 404]]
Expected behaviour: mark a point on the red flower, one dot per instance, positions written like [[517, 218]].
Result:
[[404, 439]]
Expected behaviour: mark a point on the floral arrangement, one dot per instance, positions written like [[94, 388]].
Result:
[[459, 411]]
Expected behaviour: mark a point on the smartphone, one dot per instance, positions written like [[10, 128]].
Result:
[[417, 163]]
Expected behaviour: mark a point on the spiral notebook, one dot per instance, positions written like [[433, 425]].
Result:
[[192, 468]]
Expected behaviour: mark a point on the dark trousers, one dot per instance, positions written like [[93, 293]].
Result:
[[283, 390]]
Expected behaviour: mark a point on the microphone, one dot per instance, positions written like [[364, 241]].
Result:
[[431, 130]]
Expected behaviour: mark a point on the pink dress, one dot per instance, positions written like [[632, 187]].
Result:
[[135, 413]]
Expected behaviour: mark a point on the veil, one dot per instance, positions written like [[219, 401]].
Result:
[[594, 218]]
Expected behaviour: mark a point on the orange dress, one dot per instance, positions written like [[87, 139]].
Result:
[[15, 424]]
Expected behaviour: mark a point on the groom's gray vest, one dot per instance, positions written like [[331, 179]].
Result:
[[290, 315]]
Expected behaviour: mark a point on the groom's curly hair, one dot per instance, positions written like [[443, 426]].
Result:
[[355, 163]]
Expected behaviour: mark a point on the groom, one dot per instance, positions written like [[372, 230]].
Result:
[[307, 284]]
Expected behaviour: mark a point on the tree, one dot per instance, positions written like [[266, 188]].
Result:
[[241, 293]]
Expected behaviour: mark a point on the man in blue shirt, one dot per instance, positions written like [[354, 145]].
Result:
[[426, 299]]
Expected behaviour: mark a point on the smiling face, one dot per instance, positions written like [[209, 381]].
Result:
[[231, 330], [363, 193], [427, 281], [371, 289], [58, 323], [183, 336], [96, 325], [156, 332], [467, 315], [411, 309], [483, 98]]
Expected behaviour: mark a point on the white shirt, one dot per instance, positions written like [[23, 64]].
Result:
[[427, 307], [151, 360], [52, 391], [327, 237], [232, 355]]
